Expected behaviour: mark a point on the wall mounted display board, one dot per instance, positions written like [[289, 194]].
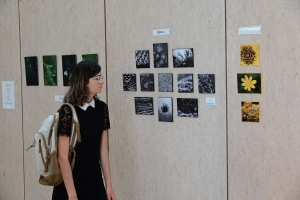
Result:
[[129, 82], [50, 70], [142, 59], [185, 83], [68, 63], [250, 55], [31, 69], [165, 109], [90, 57], [165, 82], [250, 111], [249, 82], [183, 57], [206, 83], [147, 82], [160, 55], [187, 107], [143, 105]]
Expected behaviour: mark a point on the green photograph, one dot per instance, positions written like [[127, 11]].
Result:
[[50, 70], [31, 69], [90, 57], [249, 83]]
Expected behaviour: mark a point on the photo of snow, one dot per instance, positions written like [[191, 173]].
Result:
[[206, 83], [165, 82], [165, 110], [183, 57], [143, 105], [142, 59], [129, 82], [160, 55], [187, 107], [147, 82], [185, 83]]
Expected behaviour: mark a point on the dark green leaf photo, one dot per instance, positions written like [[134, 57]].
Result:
[[68, 63], [50, 70], [90, 57], [249, 82], [31, 68]]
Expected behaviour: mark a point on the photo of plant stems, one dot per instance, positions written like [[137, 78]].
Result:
[[90, 57], [250, 111], [50, 70], [68, 63], [31, 69]]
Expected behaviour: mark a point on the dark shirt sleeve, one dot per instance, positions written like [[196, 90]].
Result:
[[106, 123], [65, 121]]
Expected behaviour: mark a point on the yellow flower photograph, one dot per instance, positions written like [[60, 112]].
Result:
[[250, 55], [249, 83], [250, 111]]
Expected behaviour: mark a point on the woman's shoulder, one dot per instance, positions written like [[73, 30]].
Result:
[[100, 103]]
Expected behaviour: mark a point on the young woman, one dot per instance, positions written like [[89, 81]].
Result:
[[92, 158]]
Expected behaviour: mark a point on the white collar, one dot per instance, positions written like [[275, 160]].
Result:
[[86, 105]]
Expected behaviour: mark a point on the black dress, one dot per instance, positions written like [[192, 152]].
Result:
[[87, 173]]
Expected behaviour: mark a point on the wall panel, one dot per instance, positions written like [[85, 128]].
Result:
[[54, 28], [263, 157], [185, 159], [11, 141]]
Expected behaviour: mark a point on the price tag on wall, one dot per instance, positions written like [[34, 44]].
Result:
[[8, 94], [210, 101], [161, 32], [248, 30]]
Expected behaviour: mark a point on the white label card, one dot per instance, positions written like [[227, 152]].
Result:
[[8, 94], [248, 30], [210, 101], [59, 98], [161, 32]]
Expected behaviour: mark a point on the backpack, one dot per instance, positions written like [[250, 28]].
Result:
[[45, 144]]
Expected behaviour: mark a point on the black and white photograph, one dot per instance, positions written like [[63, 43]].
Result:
[[187, 107], [185, 83], [165, 109], [147, 82], [165, 82], [160, 55], [183, 57], [142, 59], [206, 83], [129, 82], [143, 105]]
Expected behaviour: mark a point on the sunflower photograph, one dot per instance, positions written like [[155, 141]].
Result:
[[249, 83], [250, 55], [250, 111]]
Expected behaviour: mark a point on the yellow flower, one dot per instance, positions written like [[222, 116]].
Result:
[[248, 83]]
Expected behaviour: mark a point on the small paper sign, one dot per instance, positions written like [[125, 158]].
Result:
[[59, 98], [250, 30], [210, 101], [161, 32], [8, 94]]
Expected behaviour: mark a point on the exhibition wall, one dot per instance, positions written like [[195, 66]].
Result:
[[209, 153]]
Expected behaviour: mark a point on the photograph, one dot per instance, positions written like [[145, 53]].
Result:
[[147, 82], [250, 55], [160, 55], [185, 83], [142, 59], [187, 107], [143, 105], [165, 82], [31, 69], [68, 62], [165, 109], [90, 57], [183, 57], [249, 83], [250, 111], [50, 70], [129, 82], [206, 83]]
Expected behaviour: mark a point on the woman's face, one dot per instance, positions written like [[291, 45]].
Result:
[[95, 84]]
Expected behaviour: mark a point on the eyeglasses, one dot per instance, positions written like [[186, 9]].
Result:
[[98, 78]]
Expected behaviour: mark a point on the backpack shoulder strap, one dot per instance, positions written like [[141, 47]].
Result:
[[75, 129]]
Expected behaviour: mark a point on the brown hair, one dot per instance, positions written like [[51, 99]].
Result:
[[82, 72]]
